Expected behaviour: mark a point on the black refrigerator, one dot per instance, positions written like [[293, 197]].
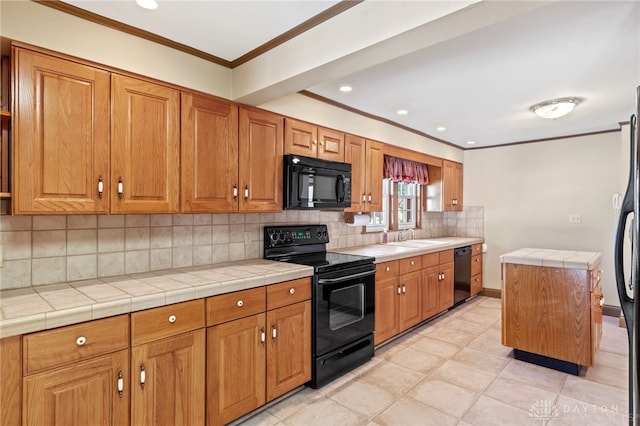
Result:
[[627, 283]]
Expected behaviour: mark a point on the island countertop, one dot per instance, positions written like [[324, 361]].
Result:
[[568, 259]]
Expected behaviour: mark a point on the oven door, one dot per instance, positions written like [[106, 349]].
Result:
[[343, 307]]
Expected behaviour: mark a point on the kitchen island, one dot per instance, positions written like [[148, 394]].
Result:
[[552, 307]]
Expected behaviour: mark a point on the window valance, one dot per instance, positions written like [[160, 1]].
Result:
[[402, 170]]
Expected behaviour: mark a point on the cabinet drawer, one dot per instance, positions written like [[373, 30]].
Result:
[[387, 269], [476, 284], [238, 304], [165, 321], [476, 249], [430, 260], [410, 264], [288, 292], [446, 256], [476, 265], [52, 348]]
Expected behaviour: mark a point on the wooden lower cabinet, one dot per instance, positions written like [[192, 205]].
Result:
[[437, 283], [83, 393], [476, 269], [254, 359], [235, 368], [409, 304], [386, 312], [167, 378], [430, 291]]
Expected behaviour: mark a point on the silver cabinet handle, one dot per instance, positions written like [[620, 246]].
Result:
[[240, 303], [172, 319], [274, 333], [81, 340], [120, 384], [370, 197], [246, 192], [314, 142], [100, 187], [143, 376], [235, 191], [399, 290], [120, 187], [413, 263], [404, 289], [387, 269], [364, 198], [292, 290], [263, 336]]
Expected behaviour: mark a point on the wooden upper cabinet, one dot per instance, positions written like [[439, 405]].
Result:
[[452, 185], [374, 174], [145, 149], [209, 154], [60, 146], [307, 139], [260, 150], [367, 160]]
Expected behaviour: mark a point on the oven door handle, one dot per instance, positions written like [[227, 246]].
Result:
[[347, 278]]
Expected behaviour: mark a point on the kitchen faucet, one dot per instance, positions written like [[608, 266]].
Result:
[[411, 234]]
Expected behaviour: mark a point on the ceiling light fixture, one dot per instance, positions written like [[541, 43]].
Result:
[[147, 4], [441, 128], [555, 108], [346, 88], [402, 112], [471, 142]]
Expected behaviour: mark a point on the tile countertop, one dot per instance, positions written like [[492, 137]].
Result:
[[553, 258], [29, 309], [401, 249]]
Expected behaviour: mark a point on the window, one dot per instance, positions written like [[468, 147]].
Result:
[[405, 198], [380, 220], [407, 208]]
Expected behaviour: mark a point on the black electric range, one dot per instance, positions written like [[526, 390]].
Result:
[[342, 298]]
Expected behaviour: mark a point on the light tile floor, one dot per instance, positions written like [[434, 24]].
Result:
[[454, 371]]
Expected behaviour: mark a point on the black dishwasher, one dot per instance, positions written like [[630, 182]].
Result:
[[461, 274]]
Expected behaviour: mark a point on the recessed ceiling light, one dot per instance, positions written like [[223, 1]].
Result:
[[471, 142], [346, 88], [441, 128], [402, 112], [147, 4]]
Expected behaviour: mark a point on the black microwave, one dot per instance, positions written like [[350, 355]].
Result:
[[312, 183]]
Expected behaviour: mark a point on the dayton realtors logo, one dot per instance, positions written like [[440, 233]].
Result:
[[545, 410]]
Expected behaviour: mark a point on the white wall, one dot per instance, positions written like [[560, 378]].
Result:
[[529, 190]]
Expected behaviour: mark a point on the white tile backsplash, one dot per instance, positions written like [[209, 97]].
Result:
[[57, 249]]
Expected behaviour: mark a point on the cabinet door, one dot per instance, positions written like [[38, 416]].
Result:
[[446, 288], [235, 369], [386, 312], [85, 393], [145, 140], [330, 144], [288, 349], [209, 155], [354, 154], [61, 142], [260, 147], [300, 138], [596, 321], [430, 291], [374, 174], [168, 379], [452, 185], [410, 312]]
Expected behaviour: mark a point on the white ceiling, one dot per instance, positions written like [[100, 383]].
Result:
[[478, 83]]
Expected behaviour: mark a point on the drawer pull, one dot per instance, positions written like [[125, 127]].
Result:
[[143, 376], [292, 290], [404, 289], [263, 336], [240, 303], [413, 263], [81, 340], [399, 290], [274, 333], [120, 384], [387, 269], [172, 319]]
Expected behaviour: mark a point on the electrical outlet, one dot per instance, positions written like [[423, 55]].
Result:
[[247, 238], [575, 218]]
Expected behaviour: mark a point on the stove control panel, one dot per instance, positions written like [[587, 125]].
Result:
[[295, 235]]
